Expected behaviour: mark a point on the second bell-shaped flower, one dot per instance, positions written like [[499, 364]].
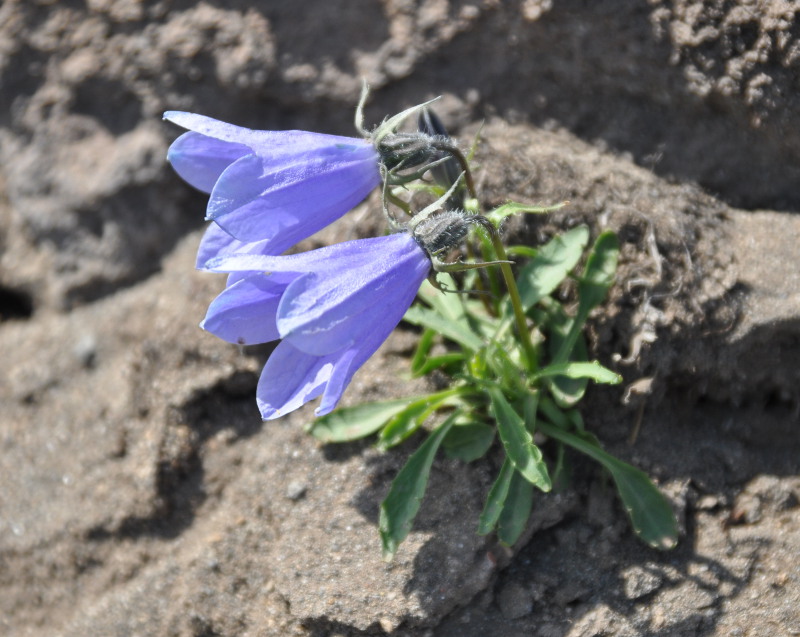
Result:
[[332, 308]]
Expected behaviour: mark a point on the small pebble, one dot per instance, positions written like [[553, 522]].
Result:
[[296, 489]]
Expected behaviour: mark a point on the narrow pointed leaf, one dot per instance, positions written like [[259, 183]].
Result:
[[497, 215], [438, 362], [601, 268], [567, 392], [553, 261], [597, 278], [456, 332], [402, 503], [404, 423], [447, 304], [421, 353], [591, 370], [352, 423], [496, 498], [651, 515], [468, 442], [516, 510], [518, 443]]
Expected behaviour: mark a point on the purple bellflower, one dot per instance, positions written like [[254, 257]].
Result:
[[271, 187], [332, 308]]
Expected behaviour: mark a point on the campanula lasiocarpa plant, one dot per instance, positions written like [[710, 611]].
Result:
[[516, 358]]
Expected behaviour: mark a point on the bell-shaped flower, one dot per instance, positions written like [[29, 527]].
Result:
[[274, 187], [332, 308]]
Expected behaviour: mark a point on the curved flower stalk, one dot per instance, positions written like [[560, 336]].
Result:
[[274, 187], [332, 308]]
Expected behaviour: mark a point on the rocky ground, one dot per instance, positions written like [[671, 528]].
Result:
[[139, 492]]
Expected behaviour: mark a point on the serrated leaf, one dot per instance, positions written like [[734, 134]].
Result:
[[456, 332], [402, 503], [554, 260], [516, 510], [651, 515], [592, 370], [518, 443], [352, 423], [494, 501], [469, 441]]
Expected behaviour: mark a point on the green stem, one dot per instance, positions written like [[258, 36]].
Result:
[[519, 314]]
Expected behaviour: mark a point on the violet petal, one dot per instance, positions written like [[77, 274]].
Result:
[[244, 313], [200, 160]]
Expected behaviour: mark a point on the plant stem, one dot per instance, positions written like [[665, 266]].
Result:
[[528, 349]]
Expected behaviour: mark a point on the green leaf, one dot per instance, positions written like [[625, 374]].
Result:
[[598, 277], [352, 423], [593, 371], [522, 251], [406, 421], [545, 272], [601, 268], [552, 412], [516, 510], [497, 215], [421, 354], [651, 515], [518, 443], [403, 424], [402, 503], [456, 332], [448, 304], [469, 441], [438, 362], [552, 318], [504, 368], [494, 501]]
